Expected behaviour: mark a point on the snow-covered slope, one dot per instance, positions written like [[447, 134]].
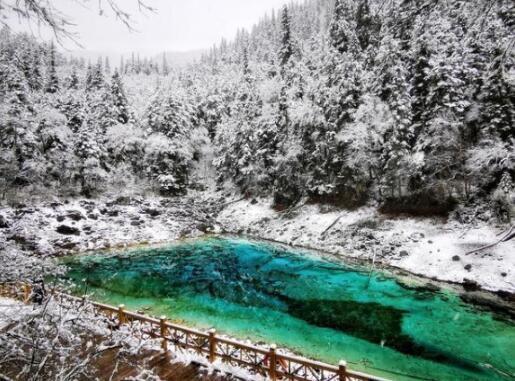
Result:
[[424, 246]]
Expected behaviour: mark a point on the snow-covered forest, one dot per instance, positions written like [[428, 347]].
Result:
[[410, 104], [373, 137]]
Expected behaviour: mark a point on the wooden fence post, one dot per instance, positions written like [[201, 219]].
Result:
[[212, 345], [342, 370], [121, 314], [273, 361], [26, 292], [164, 333]]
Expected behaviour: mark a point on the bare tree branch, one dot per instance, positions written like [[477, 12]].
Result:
[[45, 14]]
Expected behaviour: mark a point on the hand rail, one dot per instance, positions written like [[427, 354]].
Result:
[[267, 362]]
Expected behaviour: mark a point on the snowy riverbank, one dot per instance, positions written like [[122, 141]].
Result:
[[424, 246], [30, 234]]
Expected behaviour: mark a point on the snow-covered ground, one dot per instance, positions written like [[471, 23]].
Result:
[[31, 234], [425, 246]]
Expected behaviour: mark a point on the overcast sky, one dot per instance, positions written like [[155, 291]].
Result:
[[177, 25]]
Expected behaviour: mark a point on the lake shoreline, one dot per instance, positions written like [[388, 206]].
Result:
[[427, 247], [30, 237]]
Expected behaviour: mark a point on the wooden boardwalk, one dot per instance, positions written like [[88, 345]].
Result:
[[258, 360]]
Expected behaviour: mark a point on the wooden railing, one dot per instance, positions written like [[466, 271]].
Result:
[[265, 362]]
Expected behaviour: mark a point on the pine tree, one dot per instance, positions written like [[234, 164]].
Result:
[[95, 77], [392, 87], [441, 130], [91, 172], [286, 50], [101, 113], [498, 101], [245, 63], [26, 63], [18, 104], [169, 115], [37, 77], [73, 80], [120, 103], [340, 34], [89, 78], [419, 87], [52, 85], [364, 24], [72, 106]]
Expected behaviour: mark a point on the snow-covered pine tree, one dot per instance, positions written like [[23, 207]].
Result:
[[91, 172], [392, 87], [364, 24], [286, 49], [497, 100], [119, 100], [36, 83], [52, 84], [88, 80], [72, 105], [97, 78], [342, 29], [73, 80], [440, 134], [419, 86]]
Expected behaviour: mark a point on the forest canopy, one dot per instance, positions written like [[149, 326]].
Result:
[[410, 104]]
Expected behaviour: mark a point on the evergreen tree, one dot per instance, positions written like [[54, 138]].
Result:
[[91, 172], [95, 77], [169, 115], [101, 113], [498, 101], [120, 103], [26, 63], [420, 87], [392, 87], [37, 77], [89, 78], [73, 80], [245, 64], [52, 85], [340, 31], [441, 131], [364, 24], [72, 106], [286, 49]]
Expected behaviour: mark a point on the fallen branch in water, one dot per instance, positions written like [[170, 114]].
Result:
[[506, 237]]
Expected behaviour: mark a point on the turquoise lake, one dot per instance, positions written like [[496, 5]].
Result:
[[320, 309]]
